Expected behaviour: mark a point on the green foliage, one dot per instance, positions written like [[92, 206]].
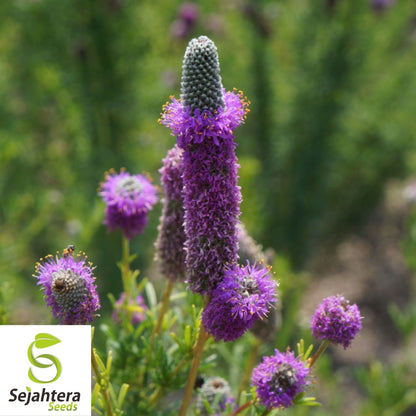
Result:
[[391, 389], [405, 321], [83, 84]]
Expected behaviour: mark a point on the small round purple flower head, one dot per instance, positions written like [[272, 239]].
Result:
[[216, 391], [138, 308], [244, 296], [170, 243], [188, 12], [279, 379], [69, 287], [203, 121], [336, 320], [380, 5], [128, 199], [188, 15]]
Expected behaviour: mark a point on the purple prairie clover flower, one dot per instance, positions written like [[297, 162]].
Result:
[[336, 320], [278, 379], [203, 121], [170, 243], [380, 5], [188, 12], [138, 308], [128, 200], [188, 15], [69, 287], [192, 128], [244, 295]]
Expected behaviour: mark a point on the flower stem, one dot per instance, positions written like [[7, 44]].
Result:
[[202, 337], [319, 351], [163, 307], [243, 407], [125, 267]]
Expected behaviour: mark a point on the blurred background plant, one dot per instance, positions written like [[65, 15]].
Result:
[[333, 92]]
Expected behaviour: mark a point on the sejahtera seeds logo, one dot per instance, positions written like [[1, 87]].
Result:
[[45, 370], [43, 341]]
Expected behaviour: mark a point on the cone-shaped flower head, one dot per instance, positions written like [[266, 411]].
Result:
[[69, 287], [170, 243], [203, 121], [137, 308], [279, 378], [216, 391], [128, 200], [244, 295], [201, 80], [336, 320]]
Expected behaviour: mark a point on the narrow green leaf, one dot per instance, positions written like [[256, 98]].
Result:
[[151, 295], [95, 394], [122, 395], [99, 361], [187, 337]]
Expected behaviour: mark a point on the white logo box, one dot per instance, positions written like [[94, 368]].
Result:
[[69, 394]]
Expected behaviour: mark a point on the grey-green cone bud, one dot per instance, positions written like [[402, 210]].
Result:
[[68, 289], [201, 85], [217, 393]]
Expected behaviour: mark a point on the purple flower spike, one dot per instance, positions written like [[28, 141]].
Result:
[[244, 296], [336, 320], [203, 121], [279, 379], [128, 198], [138, 314], [170, 243], [69, 287]]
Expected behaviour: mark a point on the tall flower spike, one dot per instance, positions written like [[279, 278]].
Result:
[[336, 320], [203, 122], [128, 200], [69, 287], [244, 296], [279, 379], [170, 243]]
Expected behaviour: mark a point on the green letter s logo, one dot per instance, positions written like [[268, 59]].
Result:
[[43, 340]]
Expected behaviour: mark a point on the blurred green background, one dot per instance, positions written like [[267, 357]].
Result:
[[332, 87]]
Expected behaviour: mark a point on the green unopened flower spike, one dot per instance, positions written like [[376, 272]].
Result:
[[201, 80]]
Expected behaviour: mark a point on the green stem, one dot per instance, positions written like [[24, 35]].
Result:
[[163, 307], [319, 351], [199, 349], [125, 267]]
